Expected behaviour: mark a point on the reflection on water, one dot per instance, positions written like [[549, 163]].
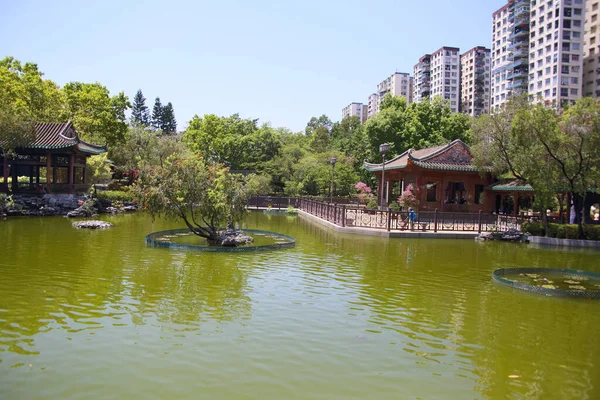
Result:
[[96, 314]]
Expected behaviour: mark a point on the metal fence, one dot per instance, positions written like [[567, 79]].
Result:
[[353, 216]]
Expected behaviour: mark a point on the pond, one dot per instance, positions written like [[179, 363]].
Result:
[[97, 314]]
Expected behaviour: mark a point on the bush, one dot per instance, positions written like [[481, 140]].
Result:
[[533, 228], [394, 206], [552, 230], [372, 204], [592, 232], [114, 195]]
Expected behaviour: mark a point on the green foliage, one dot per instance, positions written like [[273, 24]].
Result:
[[533, 228], [98, 117], [5, 201], [204, 195], [235, 142], [140, 114], [157, 114], [115, 195], [592, 232], [417, 125], [143, 148], [291, 210], [393, 206], [372, 204], [565, 147], [98, 169], [168, 124]]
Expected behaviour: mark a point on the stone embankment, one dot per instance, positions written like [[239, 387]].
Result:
[[511, 235], [64, 204]]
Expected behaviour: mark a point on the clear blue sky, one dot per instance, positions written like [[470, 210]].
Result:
[[280, 61]]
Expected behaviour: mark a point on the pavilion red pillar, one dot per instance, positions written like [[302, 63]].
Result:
[[48, 169], [71, 170], [85, 175], [516, 198]]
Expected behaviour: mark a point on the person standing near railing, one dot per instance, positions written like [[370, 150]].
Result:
[[412, 217]]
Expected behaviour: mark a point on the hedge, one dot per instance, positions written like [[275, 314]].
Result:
[[114, 195], [561, 231]]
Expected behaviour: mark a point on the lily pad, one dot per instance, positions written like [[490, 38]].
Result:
[[577, 287], [533, 276], [549, 286], [571, 282]]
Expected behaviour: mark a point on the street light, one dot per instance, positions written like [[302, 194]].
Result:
[[332, 162], [383, 150]]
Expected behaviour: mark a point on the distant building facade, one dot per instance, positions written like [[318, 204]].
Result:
[[445, 75], [356, 110], [475, 81]]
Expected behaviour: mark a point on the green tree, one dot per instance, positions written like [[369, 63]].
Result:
[[98, 169], [25, 98], [168, 122], [205, 196], [98, 117], [417, 125], [140, 114], [157, 119], [143, 148]]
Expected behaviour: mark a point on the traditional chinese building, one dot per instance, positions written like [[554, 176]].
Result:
[[447, 180], [53, 162]]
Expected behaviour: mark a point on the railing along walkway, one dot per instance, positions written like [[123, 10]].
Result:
[[352, 216]]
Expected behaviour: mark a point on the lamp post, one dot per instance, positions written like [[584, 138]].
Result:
[[383, 150], [332, 162]]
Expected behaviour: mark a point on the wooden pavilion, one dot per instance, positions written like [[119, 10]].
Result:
[[53, 162], [448, 181]]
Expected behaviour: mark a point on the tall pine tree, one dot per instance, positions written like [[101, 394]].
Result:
[[169, 124], [157, 112], [140, 113]]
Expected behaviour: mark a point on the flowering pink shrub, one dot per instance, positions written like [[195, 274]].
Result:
[[364, 192], [410, 197]]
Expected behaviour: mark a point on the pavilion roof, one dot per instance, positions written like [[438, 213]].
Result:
[[510, 185], [453, 156], [60, 135]]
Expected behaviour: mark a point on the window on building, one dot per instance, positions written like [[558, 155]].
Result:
[[479, 194], [431, 192]]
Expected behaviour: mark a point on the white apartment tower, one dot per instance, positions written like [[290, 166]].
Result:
[[556, 51], [445, 75], [475, 81], [372, 105], [510, 52], [399, 84], [356, 110], [422, 79], [591, 50]]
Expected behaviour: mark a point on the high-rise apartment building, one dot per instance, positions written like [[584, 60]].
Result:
[[591, 50], [556, 51], [398, 84], [510, 52], [475, 81], [445, 75], [372, 105], [356, 110], [422, 79]]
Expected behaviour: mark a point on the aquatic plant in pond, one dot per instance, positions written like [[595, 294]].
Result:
[[552, 282], [205, 196]]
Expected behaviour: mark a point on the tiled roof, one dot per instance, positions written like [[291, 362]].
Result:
[[61, 135], [446, 166], [420, 157], [510, 185], [54, 135]]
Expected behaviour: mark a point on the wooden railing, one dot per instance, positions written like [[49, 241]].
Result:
[[353, 216]]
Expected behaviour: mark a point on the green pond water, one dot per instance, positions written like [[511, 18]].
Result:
[[98, 315]]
